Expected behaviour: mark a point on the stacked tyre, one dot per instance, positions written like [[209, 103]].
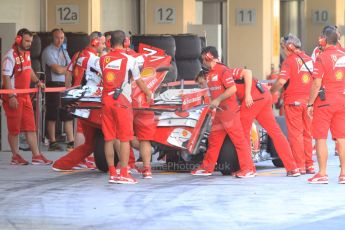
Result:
[[164, 42], [35, 53], [188, 49], [76, 42], [45, 38]]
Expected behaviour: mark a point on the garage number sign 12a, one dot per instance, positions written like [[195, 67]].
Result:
[[67, 14], [165, 15]]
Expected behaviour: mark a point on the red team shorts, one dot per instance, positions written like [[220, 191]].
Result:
[[330, 116], [117, 120], [144, 125], [21, 119]]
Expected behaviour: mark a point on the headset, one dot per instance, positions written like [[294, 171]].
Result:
[[18, 42], [208, 56], [19, 38], [209, 53], [53, 31], [96, 41], [323, 39], [126, 42], [289, 46], [107, 43]]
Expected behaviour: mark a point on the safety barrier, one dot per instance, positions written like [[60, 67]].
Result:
[[39, 93]]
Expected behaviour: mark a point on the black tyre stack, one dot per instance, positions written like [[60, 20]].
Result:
[[76, 42], [46, 39], [35, 53], [164, 42], [188, 49]]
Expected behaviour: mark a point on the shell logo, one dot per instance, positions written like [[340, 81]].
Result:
[[110, 77], [339, 76], [107, 60], [184, 133], [305, 78], [148, 72]]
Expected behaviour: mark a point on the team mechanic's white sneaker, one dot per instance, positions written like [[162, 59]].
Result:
[[131, 170], [318, 179], [245, 174], [341, 179], [126, 179], [201, 171], [113, 179], [61, 170], [293, 173]]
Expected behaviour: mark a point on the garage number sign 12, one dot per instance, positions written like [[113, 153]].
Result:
[[67, 14], [165, 15]]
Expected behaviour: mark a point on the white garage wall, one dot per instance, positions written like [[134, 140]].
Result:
[[25, 13], [120, 14]]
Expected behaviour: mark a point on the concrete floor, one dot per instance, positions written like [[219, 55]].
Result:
[[35, 197]]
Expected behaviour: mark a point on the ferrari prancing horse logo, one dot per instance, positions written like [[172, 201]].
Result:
[[107, 60], [339, 75]]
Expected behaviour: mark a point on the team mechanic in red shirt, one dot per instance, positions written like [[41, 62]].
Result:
[[132, 168], [117, 114], [318, 50], [256, 103], [295, 77], [17, 74], [328, 106], [227, 119], [144, 125], [84, 69]]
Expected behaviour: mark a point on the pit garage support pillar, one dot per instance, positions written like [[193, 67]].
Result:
[[74, 15], [169, 16], [253, 35], [320, 13]]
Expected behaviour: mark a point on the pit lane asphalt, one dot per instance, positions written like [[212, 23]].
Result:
[[35, 197]]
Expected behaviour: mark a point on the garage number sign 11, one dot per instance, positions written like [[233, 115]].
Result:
[[245, 16], [67, 14]]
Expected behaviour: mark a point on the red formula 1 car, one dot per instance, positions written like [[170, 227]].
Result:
[[182, 116]]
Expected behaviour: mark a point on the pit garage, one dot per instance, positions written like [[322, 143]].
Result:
[[172, 35]]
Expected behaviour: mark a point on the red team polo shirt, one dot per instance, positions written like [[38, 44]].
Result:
[[117, 115], [299, 80], [87, 59], [218, 80], [115, 68], [330, 113], [17, 65], [240, 85]]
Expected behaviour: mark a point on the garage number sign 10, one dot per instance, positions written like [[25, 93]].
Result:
[[67, 14]]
